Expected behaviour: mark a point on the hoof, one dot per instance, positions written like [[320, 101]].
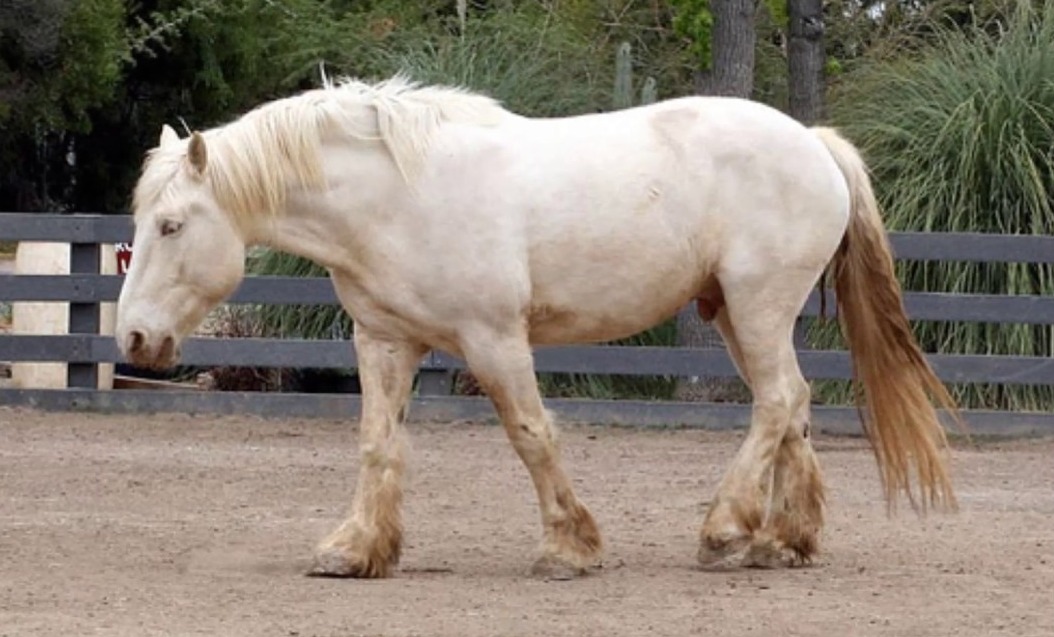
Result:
[[768, 554], [333, 562], [719, 554], [802, 549], [800, 540], [550, 568]]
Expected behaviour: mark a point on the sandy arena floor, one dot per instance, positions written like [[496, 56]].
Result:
[[169, 525]]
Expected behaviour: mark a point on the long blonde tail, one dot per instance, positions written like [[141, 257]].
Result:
[[889, 366]]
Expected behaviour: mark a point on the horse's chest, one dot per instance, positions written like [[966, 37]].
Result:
[[381, 309]]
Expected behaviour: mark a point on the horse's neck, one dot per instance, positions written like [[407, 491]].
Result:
[[326, 226], [329, 226], [311, 232]]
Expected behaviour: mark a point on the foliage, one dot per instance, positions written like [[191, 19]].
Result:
[[58, 60], [297, 321], [535, 64], [157, 28], [694, 20], [91, 48], [779, 12], [959, 138], [658, 50], [862, 32]]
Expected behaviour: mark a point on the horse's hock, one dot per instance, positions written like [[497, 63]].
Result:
[[40, 258]]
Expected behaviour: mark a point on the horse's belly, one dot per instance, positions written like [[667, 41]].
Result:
[[602, 301], [556, 327]]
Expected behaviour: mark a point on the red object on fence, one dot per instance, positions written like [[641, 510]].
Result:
[[123, 251]]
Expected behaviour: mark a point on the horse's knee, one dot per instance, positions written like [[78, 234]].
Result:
[[533, 438]]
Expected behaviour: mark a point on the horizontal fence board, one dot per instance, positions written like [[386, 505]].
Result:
[[585, 359], [631, 361], [972, 247], [815, 364], [255, 352], [980, 308], [264, 290], [72, 228], [825, 419], [279, 290], [79, 288]]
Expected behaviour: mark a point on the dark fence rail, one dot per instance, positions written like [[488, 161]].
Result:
[[580, 359], [83, 348], [277, 290]]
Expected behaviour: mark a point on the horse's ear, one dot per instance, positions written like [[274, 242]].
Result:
[[168, 135], [196, 153]]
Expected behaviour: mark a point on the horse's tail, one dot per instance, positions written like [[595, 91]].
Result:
[[897, 381]]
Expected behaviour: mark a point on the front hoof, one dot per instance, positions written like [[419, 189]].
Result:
[[551, 568], [334, 562]]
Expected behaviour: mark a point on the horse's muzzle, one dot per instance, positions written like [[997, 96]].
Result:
[[150, 351]]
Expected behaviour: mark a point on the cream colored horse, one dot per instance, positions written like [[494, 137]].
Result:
[[449, 222]]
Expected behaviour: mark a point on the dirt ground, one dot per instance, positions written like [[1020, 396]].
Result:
[[170, 525]]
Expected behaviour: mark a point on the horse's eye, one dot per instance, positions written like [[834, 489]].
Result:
[[169, 227]]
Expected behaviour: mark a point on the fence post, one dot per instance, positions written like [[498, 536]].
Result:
[[433, 379], [84, 317]]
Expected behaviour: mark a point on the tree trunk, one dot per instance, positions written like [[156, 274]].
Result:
[[731, 73], [805, 60], [732, 50]]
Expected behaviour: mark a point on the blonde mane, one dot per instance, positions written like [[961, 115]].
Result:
[[254, 160]]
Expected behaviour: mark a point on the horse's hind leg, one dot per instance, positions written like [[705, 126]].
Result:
[[757, 322], [368, 543], [792, 528], [795, 515], [504, 366]]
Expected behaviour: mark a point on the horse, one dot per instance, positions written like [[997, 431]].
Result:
[[447, 221]]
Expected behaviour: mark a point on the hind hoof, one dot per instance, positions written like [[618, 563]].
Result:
[[550, 568], [719, 554]]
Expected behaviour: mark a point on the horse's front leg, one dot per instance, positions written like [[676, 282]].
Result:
[[368, 543], [505, 368]]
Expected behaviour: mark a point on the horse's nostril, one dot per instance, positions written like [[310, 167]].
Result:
[[135, 341], [168, 348]]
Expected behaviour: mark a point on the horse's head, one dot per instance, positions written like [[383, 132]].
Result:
[[188, 255]]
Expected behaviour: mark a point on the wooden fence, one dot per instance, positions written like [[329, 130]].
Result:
[[83, 348]]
